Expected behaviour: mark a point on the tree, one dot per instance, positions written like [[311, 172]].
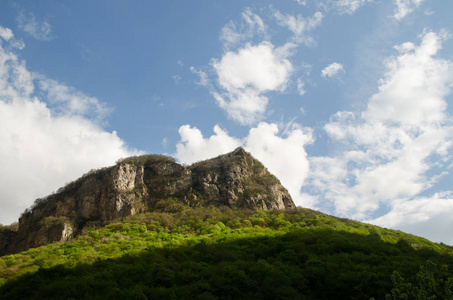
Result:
[[434, 281]]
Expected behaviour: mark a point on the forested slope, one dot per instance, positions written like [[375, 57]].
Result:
[[179, 252]]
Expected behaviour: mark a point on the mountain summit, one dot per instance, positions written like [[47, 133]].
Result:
[[137, 185]]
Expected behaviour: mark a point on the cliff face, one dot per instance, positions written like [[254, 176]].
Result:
[[137, 184]]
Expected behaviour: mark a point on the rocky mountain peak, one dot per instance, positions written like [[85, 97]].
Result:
[[138, 184]]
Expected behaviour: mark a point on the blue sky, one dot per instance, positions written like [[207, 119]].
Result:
[[347, 102]]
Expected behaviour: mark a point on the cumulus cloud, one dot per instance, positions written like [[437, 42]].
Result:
[[405, 7], [413, 92], [283, 154], [332, 70], [390, 148], [50, 135], [257, 67], [241, 79], [39, 30], [244, 76], [194, 147]]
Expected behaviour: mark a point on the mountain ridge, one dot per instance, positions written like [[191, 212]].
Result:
[[224, 228], [136, 185]]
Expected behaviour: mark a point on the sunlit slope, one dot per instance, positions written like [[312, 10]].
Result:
[[208, 253]]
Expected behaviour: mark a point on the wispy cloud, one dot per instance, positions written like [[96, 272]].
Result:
[[300, 26], [40, 30], [301, 87], [176, 79], [405, 7], [7, 35], [349, 6], [235, 33], [68, 101], [301, 2]]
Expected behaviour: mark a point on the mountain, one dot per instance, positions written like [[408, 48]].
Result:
[[136, 185], [224, 228]]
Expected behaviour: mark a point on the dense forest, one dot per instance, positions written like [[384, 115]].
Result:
[[180, 252]]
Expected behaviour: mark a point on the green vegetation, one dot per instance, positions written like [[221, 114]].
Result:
[[13, 227], [145, 160], [179, 252]]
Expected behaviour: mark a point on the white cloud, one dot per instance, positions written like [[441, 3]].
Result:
[[426, 216], [232, 34], [244, 77], [204, 78], [39, 30], [257, 67], [284, 155], [194, 147], [254, 21], [332, 70], [300, 26], [301, 2], [247, 74], [6, 33], [50, 135], [350, 6], [405, 7], [413, 91], [301, 87], [69, 101], [403, 134]]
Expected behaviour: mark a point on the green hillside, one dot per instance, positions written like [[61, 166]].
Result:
[[179, 252]]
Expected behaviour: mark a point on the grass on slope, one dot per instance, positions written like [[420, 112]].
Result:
[[220, 253]]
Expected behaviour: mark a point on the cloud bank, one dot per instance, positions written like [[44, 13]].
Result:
[[50, 133], [390, 148], [386, 157]]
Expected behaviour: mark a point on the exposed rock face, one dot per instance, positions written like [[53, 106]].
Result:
[[7, 237], [137, 184]]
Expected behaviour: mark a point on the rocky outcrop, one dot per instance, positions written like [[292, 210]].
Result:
[[7, 238], [137, 184]]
